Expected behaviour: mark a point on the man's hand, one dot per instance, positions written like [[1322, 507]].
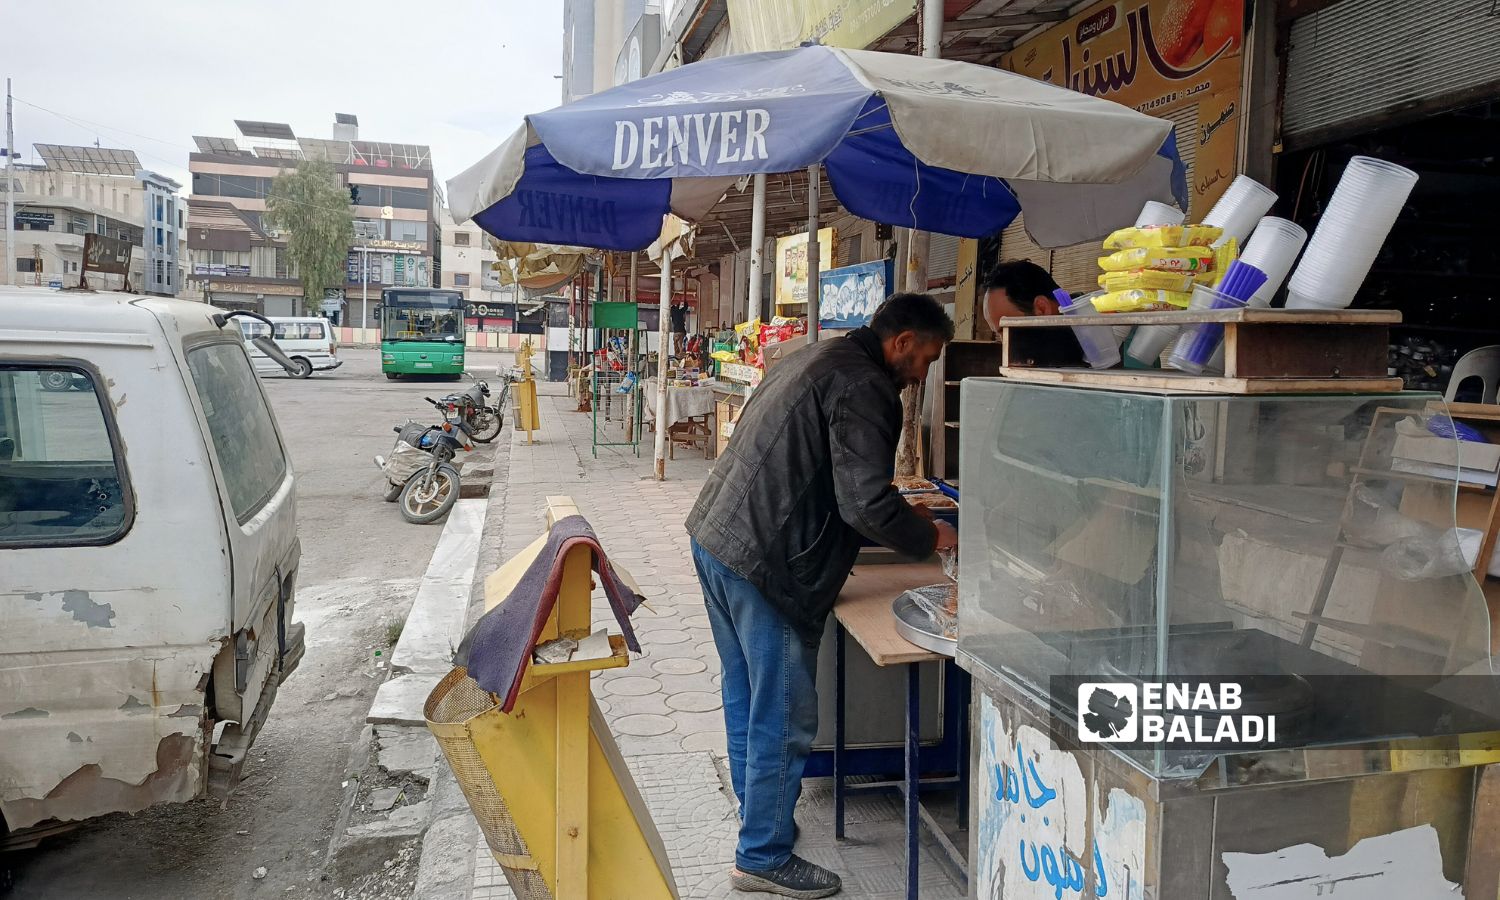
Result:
[[947, 535]]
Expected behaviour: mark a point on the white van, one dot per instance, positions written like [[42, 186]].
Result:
[[149, 551], [307, 340]]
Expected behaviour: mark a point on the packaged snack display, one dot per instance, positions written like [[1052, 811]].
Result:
[[1166, 259], [1149, 280], [1141, 301], [1163, 236]]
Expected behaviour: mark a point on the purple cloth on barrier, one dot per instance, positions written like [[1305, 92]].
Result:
[[498, 648]]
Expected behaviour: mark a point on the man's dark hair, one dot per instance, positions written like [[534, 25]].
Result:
[[1023, 281], [912, 312]]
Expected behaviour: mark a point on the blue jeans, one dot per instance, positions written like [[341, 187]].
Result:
[[770, 709]]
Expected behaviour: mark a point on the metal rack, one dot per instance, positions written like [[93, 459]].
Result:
[[615, 386]]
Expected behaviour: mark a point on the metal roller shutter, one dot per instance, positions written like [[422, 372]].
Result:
[[942, 257], [1361, 60]]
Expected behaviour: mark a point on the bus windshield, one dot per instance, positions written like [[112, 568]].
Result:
[[422, 316]]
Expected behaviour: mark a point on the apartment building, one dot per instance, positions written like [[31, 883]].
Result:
[[238, 260]]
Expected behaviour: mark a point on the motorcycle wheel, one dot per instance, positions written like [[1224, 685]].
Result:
[[424, 501], [392, 491], [487, 427]]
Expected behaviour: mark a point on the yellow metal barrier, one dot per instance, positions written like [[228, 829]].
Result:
[[558, 807]]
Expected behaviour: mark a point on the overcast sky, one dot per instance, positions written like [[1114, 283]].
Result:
[[457, 75]]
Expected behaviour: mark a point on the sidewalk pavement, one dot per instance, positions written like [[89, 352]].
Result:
[[665, 708]]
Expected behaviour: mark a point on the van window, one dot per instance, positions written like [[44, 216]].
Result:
[[298, 331], [60, 479], [240, 423]]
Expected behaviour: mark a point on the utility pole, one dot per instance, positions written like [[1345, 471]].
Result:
[[10, 191], [364, 299]]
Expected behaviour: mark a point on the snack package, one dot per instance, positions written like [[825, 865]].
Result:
[[1163, 236], [1166, 259], [1224, 254], [1141, 301], [749, 331], [1148, 280]]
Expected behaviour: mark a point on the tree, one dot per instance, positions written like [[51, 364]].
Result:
[[310, 206]]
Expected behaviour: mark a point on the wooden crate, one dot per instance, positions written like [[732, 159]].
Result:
[[1266, 351]]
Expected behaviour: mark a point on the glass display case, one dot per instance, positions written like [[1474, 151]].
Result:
[[1302, 548]]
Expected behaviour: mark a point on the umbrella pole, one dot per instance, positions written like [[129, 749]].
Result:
[[664, 302], [757, 245], [814, 255]]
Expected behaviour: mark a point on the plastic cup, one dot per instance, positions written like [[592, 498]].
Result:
[[1199, 342], [1359, 216], [1240, 208], [1100, 349], [1149, 342], [1272, 248], [1154, 213]]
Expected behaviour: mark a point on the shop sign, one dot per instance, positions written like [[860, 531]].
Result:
[[1044, 831], [791, 264], [492, 310], [1174, 59], [758, 25], [237, 271], [105, 254], [352, 268], [31, 217], [201, 269], [850, 294], [414, 246]]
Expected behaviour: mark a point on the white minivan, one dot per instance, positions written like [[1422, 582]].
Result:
[[308, 340], [149, 551]]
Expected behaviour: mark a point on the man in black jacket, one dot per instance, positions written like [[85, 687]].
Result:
[[775, 532]]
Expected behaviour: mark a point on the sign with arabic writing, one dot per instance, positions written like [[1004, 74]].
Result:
[[1045, 833], [757, 25], [1174, 59]]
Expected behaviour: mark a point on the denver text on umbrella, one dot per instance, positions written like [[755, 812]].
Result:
[[740, 135]]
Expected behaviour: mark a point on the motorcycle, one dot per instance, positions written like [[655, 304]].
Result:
[[422, 470], [483, 419]]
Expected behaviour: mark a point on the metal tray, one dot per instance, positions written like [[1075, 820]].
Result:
[[913, 624]]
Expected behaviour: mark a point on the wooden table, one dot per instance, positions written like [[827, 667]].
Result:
[[863, 610]]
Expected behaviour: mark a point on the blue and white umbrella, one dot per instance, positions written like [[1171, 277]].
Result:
[[932, 144]]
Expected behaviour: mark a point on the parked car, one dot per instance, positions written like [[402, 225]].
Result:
[[148, 540], [307, 341]]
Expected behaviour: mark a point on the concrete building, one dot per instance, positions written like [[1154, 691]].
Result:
[[239, 261], [77, 191]]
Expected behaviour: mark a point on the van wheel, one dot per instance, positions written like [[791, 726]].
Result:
[[391, 376], [424, 501], [304, 368], [55, 380]]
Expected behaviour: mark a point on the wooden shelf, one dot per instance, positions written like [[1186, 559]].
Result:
[[1418, 477], [1162, 381]]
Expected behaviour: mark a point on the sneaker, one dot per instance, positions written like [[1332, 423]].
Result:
[[795, 878]]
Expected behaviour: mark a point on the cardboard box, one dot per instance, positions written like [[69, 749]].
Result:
[[1433, 455]]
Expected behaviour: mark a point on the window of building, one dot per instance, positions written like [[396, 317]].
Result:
[[408, 231], [243, 186], [98, 225], [283, 264], [161, 271], [27, 264], [460, 239], [161, 210], [161, 236], [239, 422], [460, 279], [78, 225], [65, 483], [369, 229], [216, 257]]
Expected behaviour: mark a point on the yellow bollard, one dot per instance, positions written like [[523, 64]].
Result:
[[528, 417], [558, 807]]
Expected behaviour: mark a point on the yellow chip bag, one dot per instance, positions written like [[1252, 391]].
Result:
[[1148, 280], [1141, 301], [1224, 254], [1163, 236], [1166, 259]]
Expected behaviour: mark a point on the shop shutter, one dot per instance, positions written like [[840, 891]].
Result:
[[942, 257], [1358, 60]]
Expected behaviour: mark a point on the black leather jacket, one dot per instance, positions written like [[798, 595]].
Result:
[[809, 470]]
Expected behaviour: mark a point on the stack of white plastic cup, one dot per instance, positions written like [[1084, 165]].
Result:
[[1359, 216], [1154, 213], [1100, 348], [1240, 208], [1272, 248]]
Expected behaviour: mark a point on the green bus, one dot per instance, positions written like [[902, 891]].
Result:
[[421, 332]]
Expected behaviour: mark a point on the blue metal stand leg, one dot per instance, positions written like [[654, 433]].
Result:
[[838, 732], [913, 771]]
